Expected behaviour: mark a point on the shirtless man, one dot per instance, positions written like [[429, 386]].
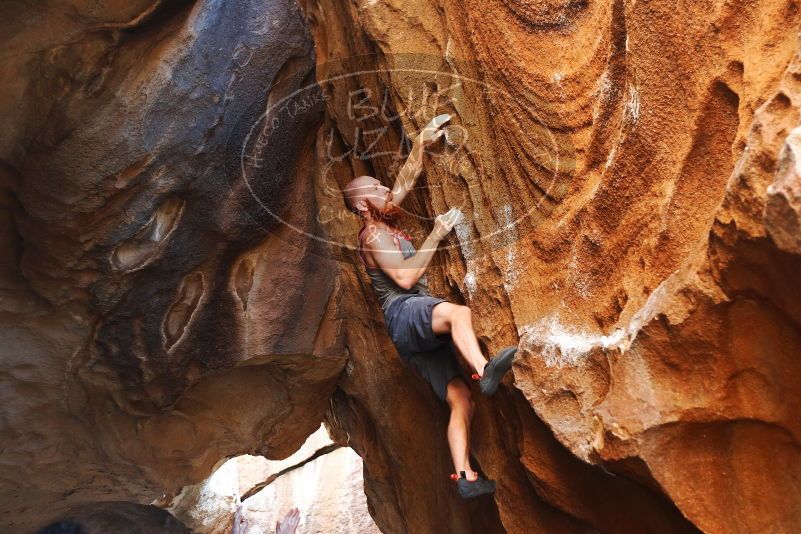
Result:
[[424, 328]]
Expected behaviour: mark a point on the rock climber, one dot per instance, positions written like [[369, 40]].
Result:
[[422, 327]]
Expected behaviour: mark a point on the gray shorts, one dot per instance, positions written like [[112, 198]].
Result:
[[431, 355]]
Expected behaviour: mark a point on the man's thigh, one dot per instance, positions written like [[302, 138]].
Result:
[[441, 317], [409, 325]]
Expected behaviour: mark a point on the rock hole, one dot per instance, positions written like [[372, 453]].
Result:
[[243, 281], [183, 310], [144, 247]]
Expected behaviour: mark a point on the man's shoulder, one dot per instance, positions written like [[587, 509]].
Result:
[[373, 235]]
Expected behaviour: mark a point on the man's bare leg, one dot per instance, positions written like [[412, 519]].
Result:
[[456, 319], [458, 397]]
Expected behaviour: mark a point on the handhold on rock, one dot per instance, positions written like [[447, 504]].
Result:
[[455, 135], [431, 132], [783, 205]]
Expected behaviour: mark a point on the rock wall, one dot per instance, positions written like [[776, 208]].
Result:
[[632, 224], [154, 319], [105, 517], [179, 284]]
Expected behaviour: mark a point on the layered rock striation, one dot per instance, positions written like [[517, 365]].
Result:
[[629, 174], [179, 284], [155, 320]]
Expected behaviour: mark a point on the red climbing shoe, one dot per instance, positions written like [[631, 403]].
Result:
[[494, 371], [469, 489]]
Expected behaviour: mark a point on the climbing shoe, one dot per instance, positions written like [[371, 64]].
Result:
[[469, 489], [494, 371]]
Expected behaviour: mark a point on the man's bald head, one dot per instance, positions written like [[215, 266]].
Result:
[[356, 190]]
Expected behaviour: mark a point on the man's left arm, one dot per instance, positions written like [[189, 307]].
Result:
[[411, 170]]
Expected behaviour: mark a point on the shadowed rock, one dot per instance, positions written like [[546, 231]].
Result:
[[178, 284], [137, 352]]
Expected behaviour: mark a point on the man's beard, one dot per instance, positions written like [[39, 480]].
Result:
[[390, 213]]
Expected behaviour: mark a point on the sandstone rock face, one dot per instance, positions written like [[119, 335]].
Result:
[[179, 285], [323, 480], [328, 491], [155, 319], [783, 206], [632, 224]]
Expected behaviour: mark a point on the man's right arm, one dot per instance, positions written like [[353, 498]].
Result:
[[404, 272]]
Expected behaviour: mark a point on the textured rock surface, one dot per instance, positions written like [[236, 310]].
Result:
[[616, 186], [322, 480], [783, 206], [145, 334], [116, 517], [629, 175], [328, 491]]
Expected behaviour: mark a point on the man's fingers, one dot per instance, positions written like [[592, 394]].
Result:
[[439, 120], [454, 215], [448, 217], [431, 132]]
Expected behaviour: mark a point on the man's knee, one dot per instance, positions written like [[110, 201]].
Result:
[[445, 314], [459, 397], [466, 405]]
